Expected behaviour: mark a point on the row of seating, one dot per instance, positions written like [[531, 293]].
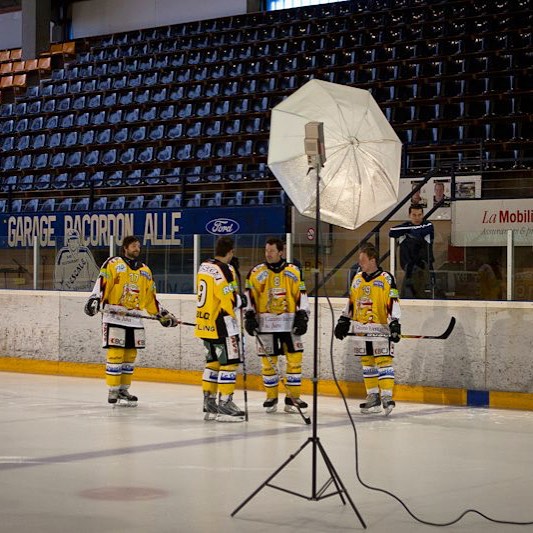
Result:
[[132, 155], [149, 176], [306, 52], [225, 31], [217, 199]]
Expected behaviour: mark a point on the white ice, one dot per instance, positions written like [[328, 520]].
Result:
[[70, 462]]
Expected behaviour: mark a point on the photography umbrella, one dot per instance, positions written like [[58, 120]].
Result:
[[361, 176]]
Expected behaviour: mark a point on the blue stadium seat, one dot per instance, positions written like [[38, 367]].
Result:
[[41, 160], [120, 135], [153, 176], [155, 202], [175, 201], [257, 198], [87, 137], [65, 204], [114, 179], [193, 174], [100, 204], [53, 140], [79, 180], [145, 155], [127, 156], [118, 204], [16, 206], [70, 138], [215, 200], [31, 206], [26, 182], [175, 131], [109, 157], [133, 177], [195, 201], [136, 203], [101, 136], [82, 205], [156, 132], [73, 159], [43, 182], [91, 158], [236, 199], [48, 205], [138, 133]]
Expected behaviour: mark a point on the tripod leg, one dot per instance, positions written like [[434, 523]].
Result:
[[338, 482], [267, 481]]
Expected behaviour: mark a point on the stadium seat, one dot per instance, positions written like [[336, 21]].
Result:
[[155, 202], [136, 203], [114, 179], [175, 201], [195, 201], [117, 204], [60, 181], [82, 205], [31, 206], [47, 205], [65, 204], [79, 180], [100, 204]]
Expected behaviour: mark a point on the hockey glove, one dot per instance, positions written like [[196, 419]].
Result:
[[395, 331], [166, 319], [342, 328], [299, 326], [92, 306], [251, 325]]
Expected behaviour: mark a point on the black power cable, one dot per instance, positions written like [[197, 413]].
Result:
[[384, 491]]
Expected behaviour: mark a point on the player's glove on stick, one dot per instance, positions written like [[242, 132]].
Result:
[[395, 331], [167, 319], [251, 325], [342, 328], [299, 326], [92, 306]]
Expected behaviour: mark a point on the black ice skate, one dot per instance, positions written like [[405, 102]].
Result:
[[371, 404], [388, 405], [112, 397], [210, 408], [228, 411], [271, 405], [125, 398], [291, 403]]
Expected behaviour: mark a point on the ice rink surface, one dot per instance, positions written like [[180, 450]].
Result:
[[70, 462]]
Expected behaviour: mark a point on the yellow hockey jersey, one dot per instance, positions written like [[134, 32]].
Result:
[[217, 291], [275, 296], [373, 298], [121, 288]]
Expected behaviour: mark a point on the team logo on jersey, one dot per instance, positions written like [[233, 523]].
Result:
[[378, 284], [366, 290], [222, 226], [146, 275], [121, 268]]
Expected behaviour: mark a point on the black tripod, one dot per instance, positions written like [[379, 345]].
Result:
[[317, 493]]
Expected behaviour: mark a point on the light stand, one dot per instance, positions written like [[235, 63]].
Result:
[[314, 149]]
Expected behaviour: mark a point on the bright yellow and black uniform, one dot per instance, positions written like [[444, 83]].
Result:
[[124, 285], [275, 292], [373, 304], [216, 325]]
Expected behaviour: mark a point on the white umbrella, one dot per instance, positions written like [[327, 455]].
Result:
[[361, 175]]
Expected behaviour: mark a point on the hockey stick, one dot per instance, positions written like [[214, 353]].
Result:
[[306, 419], [133, 314], [244, 373], [442, 336]]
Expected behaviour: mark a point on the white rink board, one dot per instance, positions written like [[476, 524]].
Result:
[[489, 348]]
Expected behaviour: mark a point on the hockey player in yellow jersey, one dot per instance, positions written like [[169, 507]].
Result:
[[278, 312], [125, 285], [373, 311], [216, 325]]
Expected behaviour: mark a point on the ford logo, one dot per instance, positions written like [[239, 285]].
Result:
[[222, 226]]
